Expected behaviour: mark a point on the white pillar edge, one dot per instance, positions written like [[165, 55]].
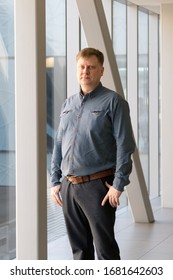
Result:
[[30, 89], [166, 22]]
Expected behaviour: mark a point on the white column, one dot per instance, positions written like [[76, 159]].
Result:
[[167, 104], [153, 105], [99, 37], [31, 215]]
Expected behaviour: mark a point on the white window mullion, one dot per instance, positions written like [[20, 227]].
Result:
[[153, 105]]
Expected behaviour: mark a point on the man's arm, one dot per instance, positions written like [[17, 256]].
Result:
[[125, 147], [124, 142], [56, 173]]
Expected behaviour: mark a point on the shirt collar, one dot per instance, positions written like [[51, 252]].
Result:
[[93, 92]]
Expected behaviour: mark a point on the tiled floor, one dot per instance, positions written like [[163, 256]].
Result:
[[137, 241]]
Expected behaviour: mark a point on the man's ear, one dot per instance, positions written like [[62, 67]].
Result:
[[102, 70]]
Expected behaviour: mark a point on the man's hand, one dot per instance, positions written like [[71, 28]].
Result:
[[55, 193], [112, 195]]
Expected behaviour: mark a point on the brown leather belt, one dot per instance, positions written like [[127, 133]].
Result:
[[83, 179]]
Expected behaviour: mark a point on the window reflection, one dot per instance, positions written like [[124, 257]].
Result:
[[7, 132], [56, 93]]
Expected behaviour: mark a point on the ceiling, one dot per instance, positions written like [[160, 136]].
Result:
[[152, 5]]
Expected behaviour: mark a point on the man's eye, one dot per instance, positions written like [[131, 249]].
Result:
[[92, 67]]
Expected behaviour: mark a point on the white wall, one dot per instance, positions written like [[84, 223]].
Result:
[[167, 104]]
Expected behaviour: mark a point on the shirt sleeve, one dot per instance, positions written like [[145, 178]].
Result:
[[125, 143], [56, 173]]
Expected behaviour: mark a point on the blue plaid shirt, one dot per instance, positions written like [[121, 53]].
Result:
[[94, 134]]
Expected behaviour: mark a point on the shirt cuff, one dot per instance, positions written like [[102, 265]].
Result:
[[119, 184]]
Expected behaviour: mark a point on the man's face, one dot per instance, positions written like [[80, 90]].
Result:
[[89, 72]]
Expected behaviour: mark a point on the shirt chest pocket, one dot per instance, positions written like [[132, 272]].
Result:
[[96, 112], [98, 118], [66, 118]]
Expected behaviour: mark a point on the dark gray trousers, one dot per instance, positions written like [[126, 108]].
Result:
[[87, 221]]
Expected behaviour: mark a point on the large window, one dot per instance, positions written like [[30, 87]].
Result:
[[56, 93], [7, 132], [136, 29], [56, 78]]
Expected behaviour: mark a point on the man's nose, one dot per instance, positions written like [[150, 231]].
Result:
[[86, 68]]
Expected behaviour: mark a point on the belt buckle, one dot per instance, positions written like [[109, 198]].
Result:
[[70, 178]]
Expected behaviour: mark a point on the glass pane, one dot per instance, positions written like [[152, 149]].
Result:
[[83, 41], [143, 88], [56, 93], [119, 40], [119, 45], [7, 132]]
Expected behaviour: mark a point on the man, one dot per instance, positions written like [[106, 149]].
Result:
[[92, 152]]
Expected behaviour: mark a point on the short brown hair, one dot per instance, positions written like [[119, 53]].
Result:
[[88, 52]]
